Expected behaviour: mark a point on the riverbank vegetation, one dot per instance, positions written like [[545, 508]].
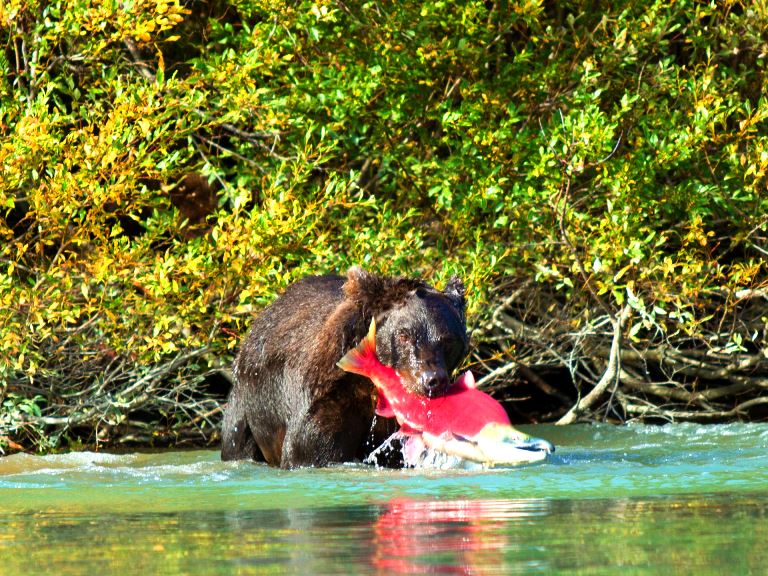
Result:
[[596, 172]]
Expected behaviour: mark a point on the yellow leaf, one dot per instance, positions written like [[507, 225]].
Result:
[[621, 272]]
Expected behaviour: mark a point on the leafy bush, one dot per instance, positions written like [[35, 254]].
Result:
[[567, 160]]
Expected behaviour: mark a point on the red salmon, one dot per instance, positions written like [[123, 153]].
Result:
[[464, 422]]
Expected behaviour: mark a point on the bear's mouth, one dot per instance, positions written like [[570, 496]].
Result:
[[424, 384]]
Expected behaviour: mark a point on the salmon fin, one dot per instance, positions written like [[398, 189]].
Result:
[[464, 382], [358, 359], [460, 437], [383, 407]]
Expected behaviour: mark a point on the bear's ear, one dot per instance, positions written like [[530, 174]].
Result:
[[375, 293], [455, 292], [362, 287]]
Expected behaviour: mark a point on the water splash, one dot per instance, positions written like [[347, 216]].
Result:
[[369, 442], [416, 454], [385, 448]]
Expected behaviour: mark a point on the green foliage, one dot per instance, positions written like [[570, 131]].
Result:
[[17, 415], [490, 139]]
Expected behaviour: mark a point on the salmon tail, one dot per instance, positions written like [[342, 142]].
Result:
[[358, 360]]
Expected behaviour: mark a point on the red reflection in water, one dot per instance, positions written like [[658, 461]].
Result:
[[446, 537]]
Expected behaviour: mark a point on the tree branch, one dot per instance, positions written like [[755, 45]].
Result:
[[610, 376]]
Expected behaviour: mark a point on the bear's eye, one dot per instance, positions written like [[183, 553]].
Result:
[[404, 338]]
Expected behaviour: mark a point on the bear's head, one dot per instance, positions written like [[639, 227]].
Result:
[[421, 331]]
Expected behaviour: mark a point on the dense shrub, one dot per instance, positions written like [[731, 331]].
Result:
[[569, 160]]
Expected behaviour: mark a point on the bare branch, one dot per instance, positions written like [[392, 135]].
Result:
[[610, 376]]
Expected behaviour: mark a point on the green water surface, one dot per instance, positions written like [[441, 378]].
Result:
[[682, 499]]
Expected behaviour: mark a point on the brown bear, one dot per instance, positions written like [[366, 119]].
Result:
[[290, 404]]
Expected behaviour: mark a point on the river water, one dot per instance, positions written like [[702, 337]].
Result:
[[678, 499]]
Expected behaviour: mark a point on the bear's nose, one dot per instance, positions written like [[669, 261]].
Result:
[[434, 382]]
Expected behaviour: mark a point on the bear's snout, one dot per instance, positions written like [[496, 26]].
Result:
[[434, 381], [429, 381]]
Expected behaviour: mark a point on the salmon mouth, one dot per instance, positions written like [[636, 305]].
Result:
[[537, 445]]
